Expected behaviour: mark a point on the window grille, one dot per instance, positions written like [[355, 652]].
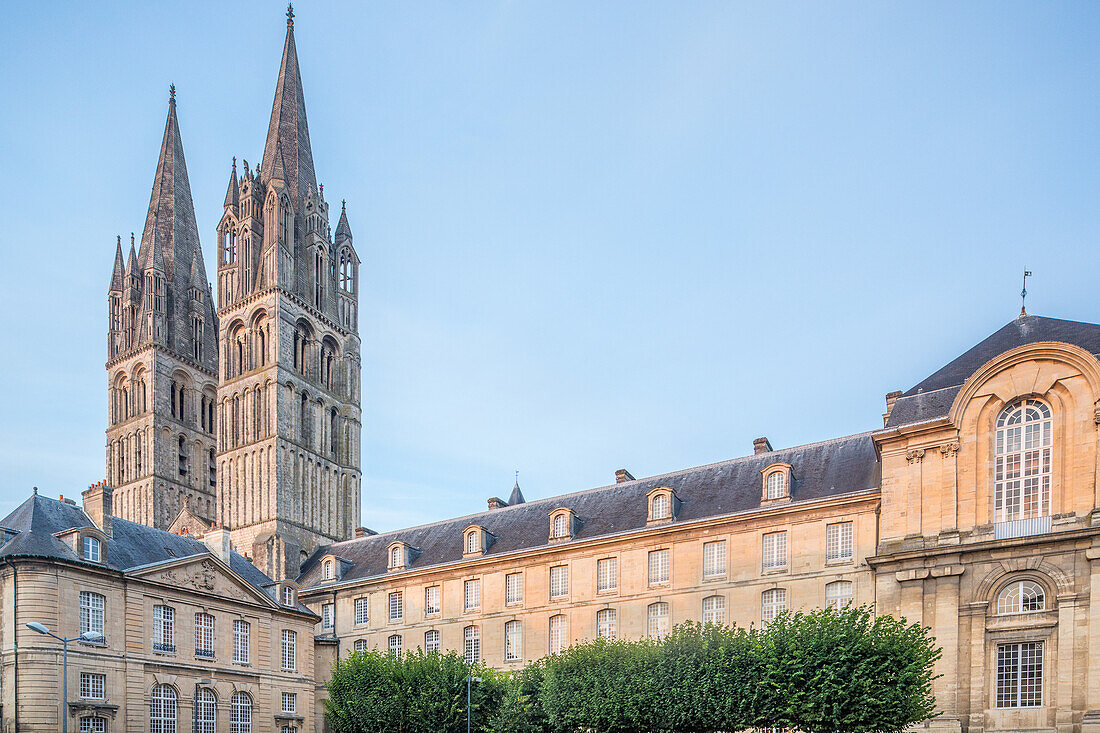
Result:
[[1020, 675], [240, 713], [772, 603], [775, 550], [204, 635], [714, 610], [513, 588], [396, 606], [561, 526], [557, 633], [290, 702], [838, 594], [472, 542], [92, 607], [290, 650], [431, 641], [205, 711], [164, 629], [395, 557], [240, 641], [838, 541], [93, 725], [1021, 596], [360, 645], [431, 601], [559, 581], [777, 485], [714, 559], [471, 596], [658, 567], [362, 611], [327, 614], [658, 620], [606, 624], [607, 574], [1022, 461], [395, 645], [93, 686], [513, 641], [163, 709], [661, 507], [471, 644]]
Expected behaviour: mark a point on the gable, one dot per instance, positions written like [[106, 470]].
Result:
[[203, 574]]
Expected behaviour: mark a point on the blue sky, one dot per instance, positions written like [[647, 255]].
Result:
[[594, 235]]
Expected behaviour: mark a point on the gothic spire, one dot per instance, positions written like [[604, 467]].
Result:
[[233, 193], [120, 268], [170, 229], [343, 229], [517, 495], [131, 261], [287, 130]]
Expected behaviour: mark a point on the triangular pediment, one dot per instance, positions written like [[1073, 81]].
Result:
[[189, 524], [203, 574]]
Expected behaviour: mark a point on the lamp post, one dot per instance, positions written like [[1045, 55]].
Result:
[[469, 679], [88, 636]]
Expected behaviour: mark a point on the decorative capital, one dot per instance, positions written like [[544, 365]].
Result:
[[949, 449], [1096, 413], [914, 454]]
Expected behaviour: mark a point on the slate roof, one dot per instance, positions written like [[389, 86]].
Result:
[[830, 468], [932, 398], [288, 132], [131, 545]]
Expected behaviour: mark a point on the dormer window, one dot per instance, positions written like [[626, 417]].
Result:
[[662, 505], [475, 540], [328, 570], [563, 524], [288, 596], [399, 555], [395, 557], [91, 549], [777, 482], [472, 544]]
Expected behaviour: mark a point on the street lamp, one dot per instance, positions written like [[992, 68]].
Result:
[[89, 636], [469, 679]]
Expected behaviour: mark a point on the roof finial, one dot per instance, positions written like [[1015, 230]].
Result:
[[234, 162], [118, 237], [1023, 293], [517, 478], [290, 15], [131, 239], [343, 205], [171, 93]]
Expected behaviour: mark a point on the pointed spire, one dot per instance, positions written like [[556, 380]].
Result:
[[288, 129], [517, 495], [170, 229], [120, 268], [131, 261], [233, 193], [343, 229], [279, 169]]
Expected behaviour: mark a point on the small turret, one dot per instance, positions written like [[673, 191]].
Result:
[[117, 275], [343, 229], [232, 194]]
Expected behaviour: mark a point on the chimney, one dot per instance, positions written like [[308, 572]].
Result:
[[891, 398], [217, 539], [761, 445], [622, 475], [361, 532], [495, 502], [98, 504]]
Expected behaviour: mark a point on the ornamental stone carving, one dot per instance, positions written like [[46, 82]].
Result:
[[914, 454], [949, 449]]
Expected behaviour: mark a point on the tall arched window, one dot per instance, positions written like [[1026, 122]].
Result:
[[162, 709], [1022, 596], [1021, 459], [471, 638], [561, 525], [240, 713], [205, 711]]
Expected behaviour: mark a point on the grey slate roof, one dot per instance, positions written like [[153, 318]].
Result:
[[831, 468], [287, 141], [131, 545], [932, 398]]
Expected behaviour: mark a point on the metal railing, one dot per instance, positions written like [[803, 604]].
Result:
[[162, 647], [204, 653], [1021, 528]]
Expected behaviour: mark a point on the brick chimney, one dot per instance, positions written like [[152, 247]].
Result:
[[361, 532], [761, 445], [99, 505], [891, 398], [622, 475], [495, 502], [217, 539]]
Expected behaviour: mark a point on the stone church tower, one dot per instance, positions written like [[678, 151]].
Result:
[[162, 357], [289, 423]]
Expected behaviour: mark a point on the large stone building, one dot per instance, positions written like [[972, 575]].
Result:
[[971, 508]]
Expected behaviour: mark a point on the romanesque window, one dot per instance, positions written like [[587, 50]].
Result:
[[714, 559], [774, 550], [658, 567], [431, 641], [559, 633], [396, 606], [513, 588], [204, 635], [92, 607], [241, 640], [1022, 461], [362, 611], [240, 713], [182, 456], [838, 541], [772, 603], [658, 621], [394, 644], [333, 432], [303, 418], [513, 641], [93, 686], [163, 707], [290, 650], [838, 594], [164, 629], [196, 337], [431, 601], [559, 581], [1020, 675], [327, 616], [1021, 596], [607, 574], [91, 549], [606, 624], [205, 711], [471, 595], [471, 644], [261, 345], [213, 468]]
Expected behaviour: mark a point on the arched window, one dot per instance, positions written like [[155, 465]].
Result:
[[183, 455], [1021, 461], [471, 644], [777, 485], [561, 526], [395, 557], [658, 620], [1021, 596], [329, 570], [163, 705], [394, 644], [606, 623], [261, 346], [333, 431], [91, 549], [93, 725], [303, 418], [714, 610], [471, 542], [661, 507], [558, 633], [240, 713], [205, 711], [772, 603], [838, 594]]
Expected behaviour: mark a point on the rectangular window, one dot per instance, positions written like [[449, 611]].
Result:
[[658, 620], [513, 588], [362, 611], [397, 606], [471, 595], [431, 641], [513, 641], [775, 550], [395, 645], [164, 629], [606, 623], [290, 703], [1020, 675], [714, 559], [93, 725], [327, 616], [93, 686], [558, 633], [204, 635], [290, 650], [431, 601], [658, 567], [607, 574], [559, 581], [91, 612], [240, 641], [838, 541], [471, 640]]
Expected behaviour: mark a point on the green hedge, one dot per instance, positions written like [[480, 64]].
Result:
[[819, 672]]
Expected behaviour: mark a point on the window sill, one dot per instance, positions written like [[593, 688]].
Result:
[[514, 604], [775, 571], [559, 599], [840, 561], [608, 591], [661, 584], [714, 578], [513, 661]]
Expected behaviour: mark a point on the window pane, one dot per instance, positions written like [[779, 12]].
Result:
[[658, 620], [1022, 461], [606, 624], [714, 559], [658, 566], [838, 541], [714, 610], [513, 588], [559, 581], [513, 641], [471, 595], [607, 574], [471, 638], [362, 611], [775, 550]]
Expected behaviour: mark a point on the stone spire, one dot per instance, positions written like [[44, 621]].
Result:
[[288, 133], [343, 229], [131, 261], [233, 193], [118, 275], [517, 495]]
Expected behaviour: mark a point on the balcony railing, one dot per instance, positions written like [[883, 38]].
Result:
[[1021, 528], [204, 653], [162, 647]]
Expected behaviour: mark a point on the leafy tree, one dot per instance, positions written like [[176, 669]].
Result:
[[520, 710]]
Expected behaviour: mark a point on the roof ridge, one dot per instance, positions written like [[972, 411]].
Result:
[[550, 499]]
